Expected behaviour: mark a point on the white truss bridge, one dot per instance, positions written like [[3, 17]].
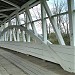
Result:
[[40, 47]]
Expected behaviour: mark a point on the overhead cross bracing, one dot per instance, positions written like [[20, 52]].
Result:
[[28, 26], [9, 6]]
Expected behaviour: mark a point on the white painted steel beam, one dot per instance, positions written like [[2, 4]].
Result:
[[10, 32], [10, 35], [21, 28], [53, 22], [17, 23], [14, 36], [27, 25], [2, 37], [31, 21], [18, 36], [11, 27], [23, 35], [7, 35], [10, 3], [28, 3], [71, 21], [23, 32], [44, 27]]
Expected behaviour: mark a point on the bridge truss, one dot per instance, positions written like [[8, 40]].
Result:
[[25, 38]]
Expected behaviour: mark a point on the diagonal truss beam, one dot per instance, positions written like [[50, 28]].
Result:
[[4, 14], [8, 2], [53, 22], [9, 9], [30, 18]]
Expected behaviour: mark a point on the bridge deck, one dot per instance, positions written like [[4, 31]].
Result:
[[7, 68], [13, 63]]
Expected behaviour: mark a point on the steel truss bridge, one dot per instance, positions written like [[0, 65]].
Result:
[[40, 47]]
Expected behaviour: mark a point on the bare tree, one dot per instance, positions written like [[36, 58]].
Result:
[[59, 7]]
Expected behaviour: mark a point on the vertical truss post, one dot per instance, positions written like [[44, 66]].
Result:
[[18, 23], [23, 32], [32, 23], [71, 21], [10, 35], [7, 35], [14, 36], [53, 22], [27, 25], [44, 27], [2, 37], [23, 35], [10, 31]]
